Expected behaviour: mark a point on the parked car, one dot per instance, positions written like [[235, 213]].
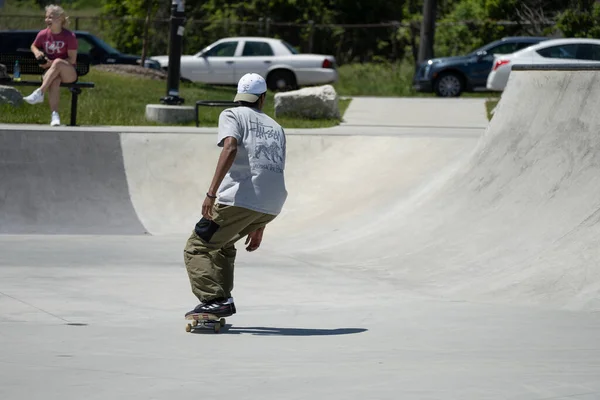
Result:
[[451, 76], [12, 41], [557, 51], [225, 61]]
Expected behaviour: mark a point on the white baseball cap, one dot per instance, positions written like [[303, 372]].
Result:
[[250, 87]]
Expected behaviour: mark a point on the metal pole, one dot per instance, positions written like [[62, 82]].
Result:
[[427, 30], [175, 45]]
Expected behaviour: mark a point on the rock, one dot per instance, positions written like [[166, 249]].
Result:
[[10, 95], [311, 102]]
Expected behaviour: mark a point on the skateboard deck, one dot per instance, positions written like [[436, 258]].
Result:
[[204, 320]]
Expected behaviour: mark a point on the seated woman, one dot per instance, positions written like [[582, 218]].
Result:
[[59, 47]]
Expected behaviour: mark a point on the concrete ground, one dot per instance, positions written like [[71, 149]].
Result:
[[453, 262]]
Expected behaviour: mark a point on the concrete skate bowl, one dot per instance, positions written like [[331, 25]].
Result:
[[64, 183], [519, 220], [511, 217], [108, 182]]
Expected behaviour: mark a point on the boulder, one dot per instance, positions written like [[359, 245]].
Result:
[[10, 95], [317, 102]]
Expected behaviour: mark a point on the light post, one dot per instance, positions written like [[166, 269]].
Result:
[[427, 30], [175, 48]]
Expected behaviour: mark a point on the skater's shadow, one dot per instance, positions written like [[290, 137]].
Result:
[[269, 331]]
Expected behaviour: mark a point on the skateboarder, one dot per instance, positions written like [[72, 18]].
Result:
[[247, 192]]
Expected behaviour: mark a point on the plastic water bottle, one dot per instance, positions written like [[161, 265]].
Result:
[[17, 72]]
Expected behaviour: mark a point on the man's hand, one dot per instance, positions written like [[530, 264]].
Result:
[[207, 208], [254, 238]]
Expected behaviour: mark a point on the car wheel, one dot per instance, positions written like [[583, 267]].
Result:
[[281, 80], [449, 84]]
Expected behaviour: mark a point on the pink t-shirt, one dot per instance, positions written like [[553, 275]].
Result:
[[56, 45]]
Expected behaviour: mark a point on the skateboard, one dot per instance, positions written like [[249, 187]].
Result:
[[203, 320]]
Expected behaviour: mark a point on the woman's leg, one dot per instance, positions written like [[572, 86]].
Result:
[[54, 94], [61, 70]]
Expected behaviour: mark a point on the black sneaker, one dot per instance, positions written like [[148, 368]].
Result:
[[218, 307]]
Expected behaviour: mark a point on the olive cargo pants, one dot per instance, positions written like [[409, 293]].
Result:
[[209, 253]]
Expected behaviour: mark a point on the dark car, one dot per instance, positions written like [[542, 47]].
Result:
[[100, 52], [450, 76]]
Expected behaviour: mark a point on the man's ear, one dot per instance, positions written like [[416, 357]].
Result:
[[263, 98]]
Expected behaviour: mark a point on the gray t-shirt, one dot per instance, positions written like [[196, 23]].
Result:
[[256, 178]]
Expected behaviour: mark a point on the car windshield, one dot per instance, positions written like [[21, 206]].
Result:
[[482, 48]]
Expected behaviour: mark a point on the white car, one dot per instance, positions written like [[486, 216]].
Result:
[[225, 61], [554, 51]]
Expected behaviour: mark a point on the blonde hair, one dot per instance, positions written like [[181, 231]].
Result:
[[58, 11]]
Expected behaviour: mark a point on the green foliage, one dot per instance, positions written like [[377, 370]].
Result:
[[66, 4], [453, 37], [211, 20], [229, 18], [129, 36], [512, 10], [462, 25], [582, 22], [502, 9]]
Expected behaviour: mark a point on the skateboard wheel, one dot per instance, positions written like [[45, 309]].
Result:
[[222, 322], [188, 328], [194, 323], [217, 328]]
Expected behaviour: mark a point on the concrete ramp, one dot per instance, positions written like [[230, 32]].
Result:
[[516, 223], [332, 180], [64, 182]]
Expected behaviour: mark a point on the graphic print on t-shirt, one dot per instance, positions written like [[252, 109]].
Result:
[[269, 147], [54, 47]]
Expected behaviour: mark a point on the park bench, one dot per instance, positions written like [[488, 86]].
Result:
[[29, 66]]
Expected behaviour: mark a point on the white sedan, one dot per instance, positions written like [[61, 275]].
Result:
[[225, 61], [554, 51]]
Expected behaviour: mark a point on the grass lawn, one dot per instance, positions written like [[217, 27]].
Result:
[[121, 100], [385, 79], [489, 106]]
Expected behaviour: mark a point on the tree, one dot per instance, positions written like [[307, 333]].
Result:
[[583, 21], [135, 28], [461, 25]]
